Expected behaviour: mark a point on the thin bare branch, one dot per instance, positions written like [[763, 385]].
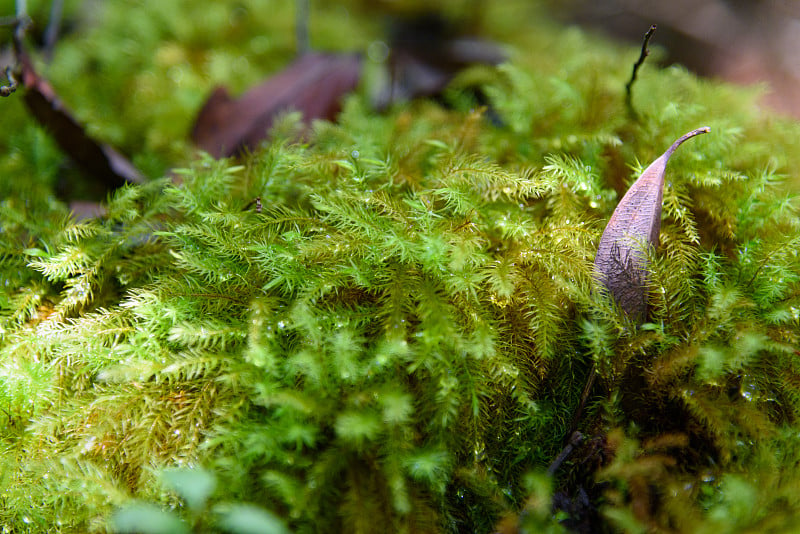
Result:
[[639, 62], [574, 440], [53, 26], [7, 90]]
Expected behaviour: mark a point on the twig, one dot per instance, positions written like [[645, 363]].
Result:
[[584, 396], [6, 90], [53, 25], [629, 86], [574, 441], [21, 8], [20, 22]]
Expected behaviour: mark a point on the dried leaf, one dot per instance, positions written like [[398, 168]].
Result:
[[98, 160], [314, 84], [621, 264]]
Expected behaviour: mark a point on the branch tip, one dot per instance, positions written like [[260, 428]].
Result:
[[642, 56], [7, 90]]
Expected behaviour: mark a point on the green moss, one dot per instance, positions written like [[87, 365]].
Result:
[[400, 339]]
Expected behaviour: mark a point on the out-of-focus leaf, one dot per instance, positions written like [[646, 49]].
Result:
[[193, 485], [99, 160], [313, 84], [249, 519], [145, 518]]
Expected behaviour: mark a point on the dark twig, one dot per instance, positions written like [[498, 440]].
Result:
[[574, 441], [6, 90], [53, 26], [639, 62], [20, 22], [587, 389]]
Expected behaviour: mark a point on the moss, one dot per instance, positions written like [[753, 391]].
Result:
[[400, 339]]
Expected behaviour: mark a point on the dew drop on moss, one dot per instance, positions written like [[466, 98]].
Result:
[[378, 51], [81, 289]]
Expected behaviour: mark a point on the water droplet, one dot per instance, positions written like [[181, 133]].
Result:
[[176, 74], [378, 51], [260, 44], [81, 289], [749, 391]]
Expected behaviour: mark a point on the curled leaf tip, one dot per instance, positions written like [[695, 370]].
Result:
[[684, 137], [621, 261]]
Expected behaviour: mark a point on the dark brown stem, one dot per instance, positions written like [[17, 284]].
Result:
[[629, 86], [584, 397], [20, 22], [574, 441]]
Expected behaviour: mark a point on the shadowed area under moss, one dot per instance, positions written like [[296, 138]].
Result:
[[399, 340]]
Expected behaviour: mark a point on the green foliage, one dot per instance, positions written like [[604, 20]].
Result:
[[399, 341], [194, 487]]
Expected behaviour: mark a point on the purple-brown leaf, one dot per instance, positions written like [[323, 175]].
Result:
[[621, 263], [314, 84], [98, 160]]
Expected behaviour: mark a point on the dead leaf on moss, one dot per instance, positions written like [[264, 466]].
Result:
[[314, 84], [620, 264], [99, 160]]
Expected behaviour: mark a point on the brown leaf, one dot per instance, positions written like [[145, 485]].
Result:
[[621, 264], [98, 160], [314, 84]]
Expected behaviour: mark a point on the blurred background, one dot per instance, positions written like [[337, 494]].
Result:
[[114, 62], [741, 41]]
